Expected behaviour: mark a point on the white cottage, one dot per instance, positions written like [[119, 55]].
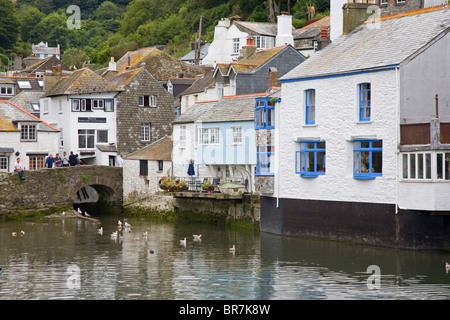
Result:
[[24, 136], [143, 169], [83, 107], [358, 155]]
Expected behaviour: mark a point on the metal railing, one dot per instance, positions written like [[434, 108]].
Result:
[[195, 183]]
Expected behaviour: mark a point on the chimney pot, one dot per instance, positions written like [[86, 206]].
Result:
[[250, 41], [324, 34]]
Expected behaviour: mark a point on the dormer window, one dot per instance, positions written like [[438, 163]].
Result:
[[24, 84]]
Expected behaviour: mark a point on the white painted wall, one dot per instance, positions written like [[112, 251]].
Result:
[[60, 116], [221, 49], [138, 187], [336, 18], [46, 142], [182, 154], [336, 123]]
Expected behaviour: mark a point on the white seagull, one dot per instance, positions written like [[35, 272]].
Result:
[[79, 211], [87, 214], [119, 223], [183, 242], [447, 267], [233, 248], [100, 231], [127, 225], [197, 237]]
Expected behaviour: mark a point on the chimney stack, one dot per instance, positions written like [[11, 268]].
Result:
[[273, 78], [284, 35], [354, 15], [248, 49], [112, 65]]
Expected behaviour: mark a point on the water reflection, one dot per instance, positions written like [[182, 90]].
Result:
[[156, 266]]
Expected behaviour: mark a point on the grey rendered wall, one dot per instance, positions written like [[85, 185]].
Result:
[[422, 78]]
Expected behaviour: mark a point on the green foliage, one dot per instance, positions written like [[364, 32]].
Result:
[[9, 24], [74, 57], [113, 27]]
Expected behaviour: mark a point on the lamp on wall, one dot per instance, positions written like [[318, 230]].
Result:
[[17, 153]]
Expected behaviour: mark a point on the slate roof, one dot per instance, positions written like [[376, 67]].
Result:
[[393, 40], [160, 64], [227, 109], [257, 28], [252, 63], [10, 113], [201, 84], [24, 99], [44, 65], [122, 79], [191, 55], [81, 81], [158, 150]]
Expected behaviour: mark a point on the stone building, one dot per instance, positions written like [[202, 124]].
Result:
[[144, 109], [143, 169]]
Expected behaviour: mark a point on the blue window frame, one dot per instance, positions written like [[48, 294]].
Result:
[[368, 160], [265, 113], [310, 103], [177, 112], [310, 160], [264, 163], [364, 102]]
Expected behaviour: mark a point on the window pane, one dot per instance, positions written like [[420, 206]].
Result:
[[420, 166], [428, 165], [446, 167], [321, 161], [261, 117], [102, 136], [365, 162], [412, 166], [405, 166], [377, 164], [270, 117], [365, 144], [439, 165]]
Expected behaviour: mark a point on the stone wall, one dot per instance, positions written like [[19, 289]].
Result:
[[47, 188], [130, 116], [213, 208]]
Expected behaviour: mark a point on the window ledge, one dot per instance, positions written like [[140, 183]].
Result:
[[365, 177], [309, 125], [264, 174], [364, 122], [312, 175]]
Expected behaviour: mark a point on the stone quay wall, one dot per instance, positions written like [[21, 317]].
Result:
[[213, 208]]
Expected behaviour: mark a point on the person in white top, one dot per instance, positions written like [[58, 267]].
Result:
[[120, 161], [18, 168]]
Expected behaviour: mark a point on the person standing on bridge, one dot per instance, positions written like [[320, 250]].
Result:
[[49, 162], [18, 168], [73, 159], [58, 161], [65, 159]]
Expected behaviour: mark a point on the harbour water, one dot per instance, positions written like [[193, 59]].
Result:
[[68, 259]]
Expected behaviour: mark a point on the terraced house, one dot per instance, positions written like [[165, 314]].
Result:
[[83, 107], [24, 136], [365, 149]]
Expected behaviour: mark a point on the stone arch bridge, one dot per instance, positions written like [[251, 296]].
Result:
[[58, 187]]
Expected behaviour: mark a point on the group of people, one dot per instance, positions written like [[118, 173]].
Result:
[[64, 161]]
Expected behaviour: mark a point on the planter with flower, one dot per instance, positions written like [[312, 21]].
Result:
[[207, 186]]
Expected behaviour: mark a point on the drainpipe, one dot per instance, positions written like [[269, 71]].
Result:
[[397, 179]]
